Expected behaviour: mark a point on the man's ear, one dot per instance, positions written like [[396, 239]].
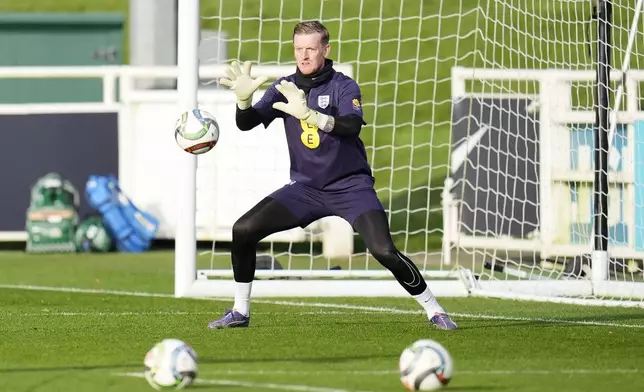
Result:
[[327, 49]]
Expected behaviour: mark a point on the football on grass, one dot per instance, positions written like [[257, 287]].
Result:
[[196, 131], [425, 366], [171, 364]]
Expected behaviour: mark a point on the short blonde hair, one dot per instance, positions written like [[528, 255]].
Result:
[[312, 27]]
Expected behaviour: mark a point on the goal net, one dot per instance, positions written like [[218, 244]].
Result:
[[520, 196], [481, 119]]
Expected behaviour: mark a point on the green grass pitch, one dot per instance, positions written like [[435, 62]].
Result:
[[95, 340], [72, 323]]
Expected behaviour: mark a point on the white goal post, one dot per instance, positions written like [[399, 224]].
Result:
[[188, 31]]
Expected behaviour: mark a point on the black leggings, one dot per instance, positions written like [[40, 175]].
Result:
[[270, 216]]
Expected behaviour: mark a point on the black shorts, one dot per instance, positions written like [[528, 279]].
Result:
[[310, 204]]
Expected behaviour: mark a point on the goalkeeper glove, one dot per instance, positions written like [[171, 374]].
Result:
[[297, 106], [240, 81]]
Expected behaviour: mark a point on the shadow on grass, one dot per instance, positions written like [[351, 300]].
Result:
[[321, 359], [477, 388], [603, 322], [607, 318], [71, 368], [204, 360]]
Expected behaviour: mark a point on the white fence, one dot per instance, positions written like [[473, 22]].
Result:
[[554, 109], [243, 168]]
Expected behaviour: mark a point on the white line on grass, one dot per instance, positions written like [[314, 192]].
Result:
[[178, 313], [550, 372], [84, 291], [388, 372], [455, 314], [103, 314], [256, 385], [322, 305]]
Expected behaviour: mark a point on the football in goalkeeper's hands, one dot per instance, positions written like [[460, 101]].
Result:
[[425, 366], [196, 131], [171, 364]]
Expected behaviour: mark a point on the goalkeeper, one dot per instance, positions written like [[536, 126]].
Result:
[[330, 174]]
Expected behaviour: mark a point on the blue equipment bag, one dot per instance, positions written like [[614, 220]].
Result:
[[132, 229]]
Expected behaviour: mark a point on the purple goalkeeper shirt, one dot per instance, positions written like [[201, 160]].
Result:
[[319, 159]]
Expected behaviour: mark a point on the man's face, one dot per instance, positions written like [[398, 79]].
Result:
[[310, 52]]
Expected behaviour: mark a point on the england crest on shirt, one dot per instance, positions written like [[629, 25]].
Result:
[[323, 101]]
